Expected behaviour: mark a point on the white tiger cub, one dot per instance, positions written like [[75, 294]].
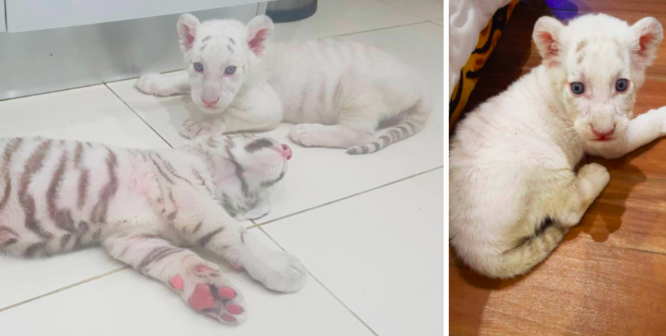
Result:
[[338, 92], [514, 192], [146, 207]]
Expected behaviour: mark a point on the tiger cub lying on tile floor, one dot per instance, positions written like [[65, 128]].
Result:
[[514, 192], [145, 207], [337, 92]]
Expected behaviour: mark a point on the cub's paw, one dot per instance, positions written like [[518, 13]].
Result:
[[209, 293], [155, 84], [305, 134], [596, 174], [192, 129], [277, 270], [656, 117]]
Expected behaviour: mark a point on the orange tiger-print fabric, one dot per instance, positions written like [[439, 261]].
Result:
[[469, 75]]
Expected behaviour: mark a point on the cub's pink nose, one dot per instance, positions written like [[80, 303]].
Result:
[[211, 103], [286, 152], [603, 135]]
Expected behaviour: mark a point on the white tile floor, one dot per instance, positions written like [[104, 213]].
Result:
[[368, 228]]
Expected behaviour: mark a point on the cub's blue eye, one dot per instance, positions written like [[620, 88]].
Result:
[[198, 67], [621, 85], [230, 70], [577, 88]]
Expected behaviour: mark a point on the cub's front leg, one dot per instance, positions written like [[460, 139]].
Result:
[[204, 222], [198, 282], [642, 130], [164, 85]]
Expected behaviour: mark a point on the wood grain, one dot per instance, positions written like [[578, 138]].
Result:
[[609, 275], [585, 288]]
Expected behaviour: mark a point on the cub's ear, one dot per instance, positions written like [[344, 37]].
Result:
[[259, 30], [187, 30], [546, 36], [647, 38]]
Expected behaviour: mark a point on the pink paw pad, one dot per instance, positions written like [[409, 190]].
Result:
[[234, 309], [177, 282], [228, 318], [202, 298], [237, 267], [226, 292]]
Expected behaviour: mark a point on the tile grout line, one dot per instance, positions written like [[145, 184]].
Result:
[[322, 285], [436, 24], [139, 116], [50, 92], [137, 77], [347, 197], [64, 288], [374, 30]]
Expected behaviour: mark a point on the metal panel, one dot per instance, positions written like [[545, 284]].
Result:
[[57, 59], [28, 15]]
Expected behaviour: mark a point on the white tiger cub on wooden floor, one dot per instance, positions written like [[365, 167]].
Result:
[[146, 207], [514, 192], [337, 92]]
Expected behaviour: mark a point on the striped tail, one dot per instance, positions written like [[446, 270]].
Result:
[[415, 120], [531, 252]]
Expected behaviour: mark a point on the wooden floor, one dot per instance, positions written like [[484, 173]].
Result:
[[609, 275]]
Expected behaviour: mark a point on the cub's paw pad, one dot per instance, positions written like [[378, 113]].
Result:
[[208, 293]]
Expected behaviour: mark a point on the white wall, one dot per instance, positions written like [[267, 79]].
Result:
[[2, 16], [26, 15]]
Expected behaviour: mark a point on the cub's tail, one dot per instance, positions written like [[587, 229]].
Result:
[[533, 250], [414, 120]]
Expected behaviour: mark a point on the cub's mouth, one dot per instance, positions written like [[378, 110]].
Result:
[[604, 135]]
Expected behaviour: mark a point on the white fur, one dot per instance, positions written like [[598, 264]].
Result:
[[53, 194], [339, 92], [512, 159]]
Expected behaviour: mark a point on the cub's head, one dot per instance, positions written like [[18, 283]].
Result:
[[596, 64], [243, 160], [219, 55]]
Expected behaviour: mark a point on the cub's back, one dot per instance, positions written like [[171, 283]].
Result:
[[316, 75], [56, 195]]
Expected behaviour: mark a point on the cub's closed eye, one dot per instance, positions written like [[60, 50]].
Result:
[[577, 88], [230, 70], [198, 67], [621, 85]]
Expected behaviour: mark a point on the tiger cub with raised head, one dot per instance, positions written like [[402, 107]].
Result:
[[146, 207], [514, 191], [338, 92]]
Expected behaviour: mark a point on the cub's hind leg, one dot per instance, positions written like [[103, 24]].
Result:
[[342, 135], [575, 198], [198, 282], [571, 197], [357, 112]]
